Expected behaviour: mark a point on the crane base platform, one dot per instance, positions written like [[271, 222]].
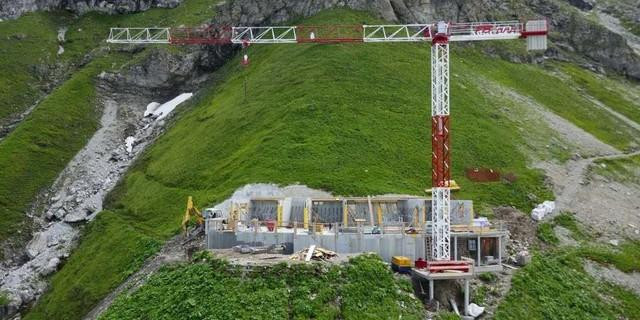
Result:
[[449, 267]]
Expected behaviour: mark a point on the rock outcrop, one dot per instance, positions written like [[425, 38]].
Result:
[[78, 193], [575, 36], [15, 8], [572, 30]]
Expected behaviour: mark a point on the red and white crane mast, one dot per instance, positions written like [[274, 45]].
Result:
[[440, 147], [438, 34]]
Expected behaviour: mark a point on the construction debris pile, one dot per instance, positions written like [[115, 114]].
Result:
[[313, 253]]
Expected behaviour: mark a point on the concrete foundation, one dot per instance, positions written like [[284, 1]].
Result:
[[386, 225], [386, 245]]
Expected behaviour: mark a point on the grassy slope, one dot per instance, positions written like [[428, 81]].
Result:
[[20, 55], [554, 286], [620, 95], [561, 97], [32, 40], [352, 119], [39, 148], [364, 288], [32, 156], [626, 170]]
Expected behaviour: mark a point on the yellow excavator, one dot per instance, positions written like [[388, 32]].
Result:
[[192, 211]]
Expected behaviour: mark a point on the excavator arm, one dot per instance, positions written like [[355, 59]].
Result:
[[191, 211]]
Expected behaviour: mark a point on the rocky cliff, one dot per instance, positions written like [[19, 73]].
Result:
[[15, 8], [575, 35]]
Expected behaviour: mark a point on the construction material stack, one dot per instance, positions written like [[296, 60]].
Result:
[[401, 264]]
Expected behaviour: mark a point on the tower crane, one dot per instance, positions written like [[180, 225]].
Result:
[[438, 34]]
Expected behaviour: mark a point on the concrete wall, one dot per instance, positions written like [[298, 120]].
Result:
[[386, 245]]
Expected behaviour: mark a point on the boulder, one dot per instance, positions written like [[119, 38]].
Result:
[[56, 234]]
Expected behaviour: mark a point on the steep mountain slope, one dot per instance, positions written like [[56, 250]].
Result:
[[56, 124], [372, 137], [351, 119]]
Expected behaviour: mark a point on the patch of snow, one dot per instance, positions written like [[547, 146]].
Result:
[[151, 107], [129, 143], [166, 108]]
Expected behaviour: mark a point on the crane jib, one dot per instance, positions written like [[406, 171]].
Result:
[[224, 34]]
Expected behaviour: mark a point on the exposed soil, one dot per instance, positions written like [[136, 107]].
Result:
[[607, 206], [521, 227], [630, 281]]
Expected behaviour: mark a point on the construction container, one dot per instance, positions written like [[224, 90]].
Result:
[[401, 264]]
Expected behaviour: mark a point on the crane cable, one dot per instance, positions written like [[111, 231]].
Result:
[[245, 64]]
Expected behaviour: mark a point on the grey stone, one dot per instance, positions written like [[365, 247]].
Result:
[[523, 258], [76, 216]]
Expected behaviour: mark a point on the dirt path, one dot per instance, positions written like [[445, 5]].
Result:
[[173, 251], [630, 281], [608, 206], [616, 114], [540, 120]]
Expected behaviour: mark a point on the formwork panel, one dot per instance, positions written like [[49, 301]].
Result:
[[326, 212], [263, 210]]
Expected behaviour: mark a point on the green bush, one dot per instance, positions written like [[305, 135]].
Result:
[[480, 294], [488, 277], [4, 299]]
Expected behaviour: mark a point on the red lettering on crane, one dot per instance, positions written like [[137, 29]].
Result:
[[485, 29]]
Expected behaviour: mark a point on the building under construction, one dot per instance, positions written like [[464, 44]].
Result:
[[389, 226]]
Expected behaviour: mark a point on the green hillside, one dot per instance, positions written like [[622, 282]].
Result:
[[364, 288], [33, 154], [351, 119]]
